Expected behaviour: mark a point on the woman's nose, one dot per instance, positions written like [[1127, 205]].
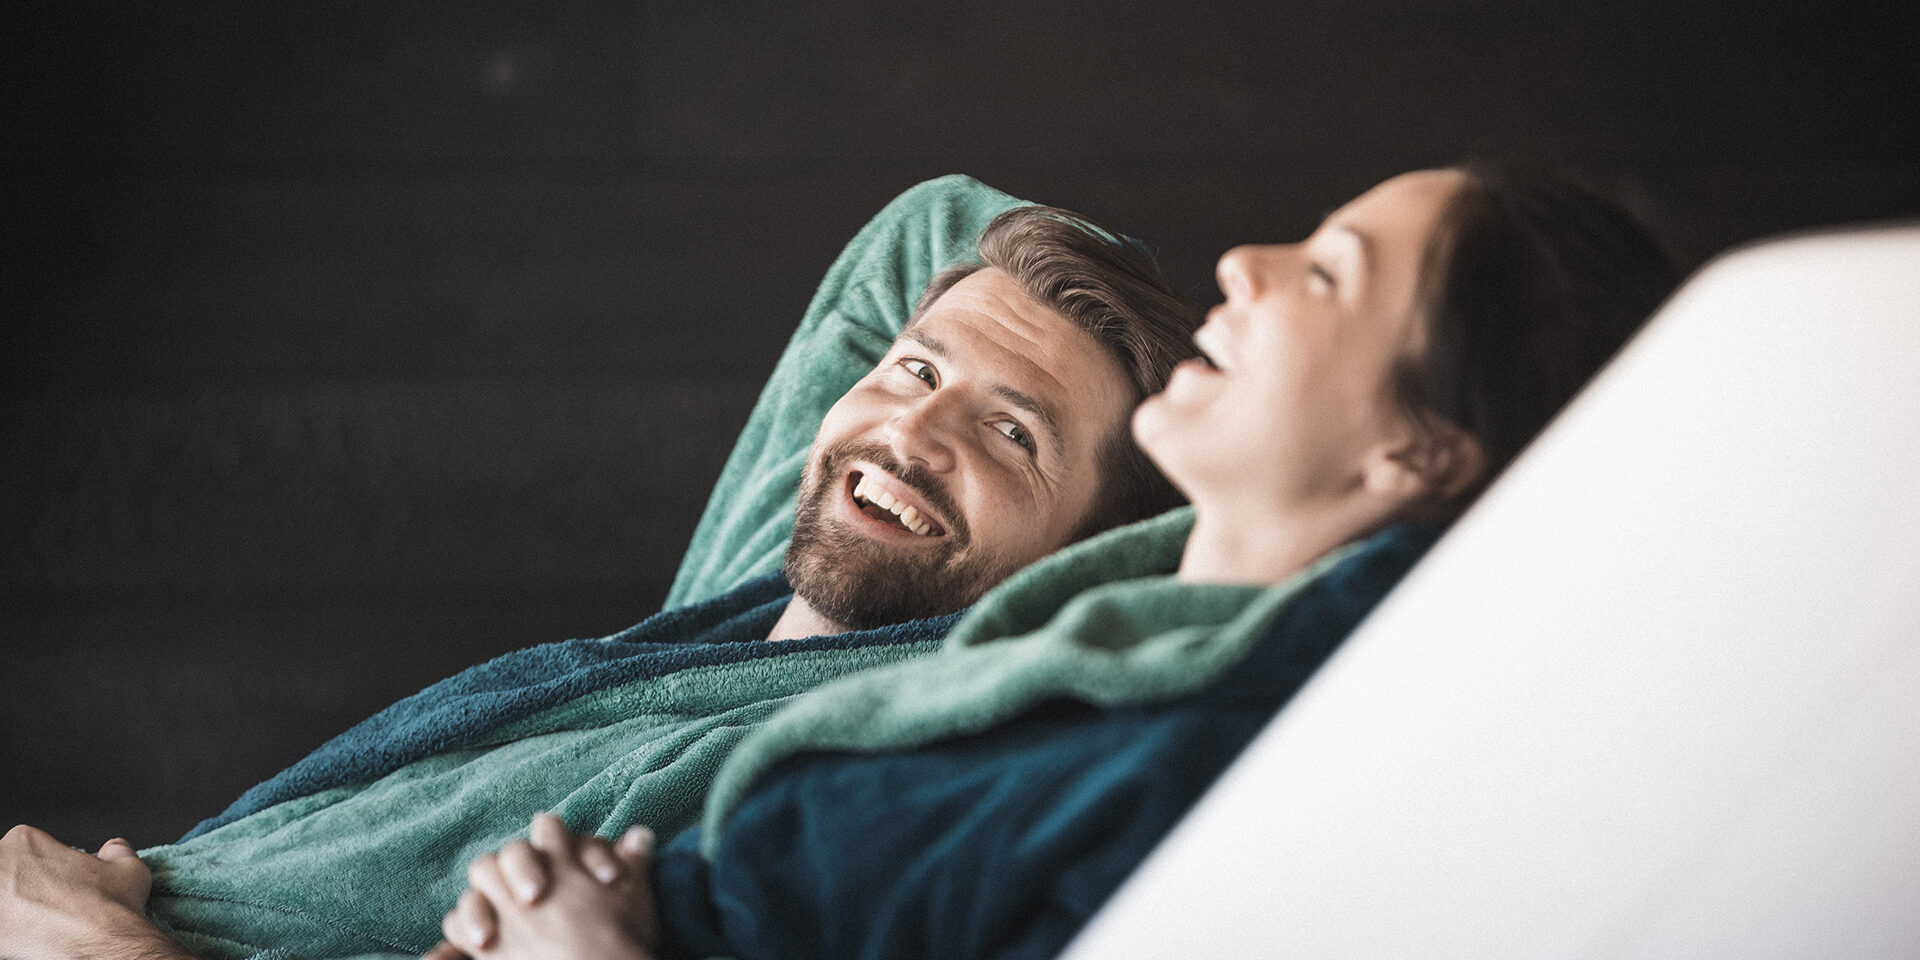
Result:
[[1241, 270], [924, 430]]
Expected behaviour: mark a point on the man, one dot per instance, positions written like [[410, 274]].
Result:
[[988, 432]]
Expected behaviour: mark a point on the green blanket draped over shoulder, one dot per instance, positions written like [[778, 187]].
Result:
[[1100, 621], [369, 868]]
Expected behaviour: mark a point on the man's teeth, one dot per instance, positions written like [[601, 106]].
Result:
[[909, 516]]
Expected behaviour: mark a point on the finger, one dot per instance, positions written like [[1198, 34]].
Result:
[[470, 925], [28, 835], [636, 845], [483, 876], [597, 856], [525, 870], [550, 835], [444, 951]]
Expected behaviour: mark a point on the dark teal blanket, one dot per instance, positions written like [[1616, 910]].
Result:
[[513, 687]]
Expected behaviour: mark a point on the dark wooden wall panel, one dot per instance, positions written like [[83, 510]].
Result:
[[350, 343]]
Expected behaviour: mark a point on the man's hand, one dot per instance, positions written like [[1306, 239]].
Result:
[[558, 896], [57, 902]]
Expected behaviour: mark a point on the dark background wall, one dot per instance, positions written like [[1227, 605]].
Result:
[[351, 343]]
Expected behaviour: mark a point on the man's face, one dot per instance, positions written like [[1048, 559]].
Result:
[[971, 450]]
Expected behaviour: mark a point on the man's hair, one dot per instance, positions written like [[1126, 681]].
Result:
[[1532, 284], [1111, 289]]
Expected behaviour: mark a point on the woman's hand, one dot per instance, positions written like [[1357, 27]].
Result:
[[559, 895]]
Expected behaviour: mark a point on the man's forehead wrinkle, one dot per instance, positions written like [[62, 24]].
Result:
[[994, 321], [1024, 356]]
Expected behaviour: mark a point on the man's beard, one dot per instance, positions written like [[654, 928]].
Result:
[[861, 584]]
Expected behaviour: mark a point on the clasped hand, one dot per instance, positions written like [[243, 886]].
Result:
[[556, 895]]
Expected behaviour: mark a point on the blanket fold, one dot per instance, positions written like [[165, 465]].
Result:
[[479, 699]]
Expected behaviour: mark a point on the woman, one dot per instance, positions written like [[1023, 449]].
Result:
[[1357, 392]]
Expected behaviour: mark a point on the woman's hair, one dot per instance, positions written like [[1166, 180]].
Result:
[[1532, 284]]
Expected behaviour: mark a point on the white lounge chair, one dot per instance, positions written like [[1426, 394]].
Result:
[[1657, 695]]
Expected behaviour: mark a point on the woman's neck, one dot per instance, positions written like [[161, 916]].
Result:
[[1241, 546]]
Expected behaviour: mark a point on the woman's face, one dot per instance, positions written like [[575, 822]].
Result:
[[1299, 400]]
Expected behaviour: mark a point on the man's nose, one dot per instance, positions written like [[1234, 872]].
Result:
[[926, 429]]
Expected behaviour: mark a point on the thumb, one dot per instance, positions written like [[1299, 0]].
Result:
[[130, 880], [117, 850]]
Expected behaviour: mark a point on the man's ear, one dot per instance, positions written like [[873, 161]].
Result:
[[1429, 464]]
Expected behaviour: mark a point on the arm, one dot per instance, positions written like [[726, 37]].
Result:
[[860, 307], [57, 902]]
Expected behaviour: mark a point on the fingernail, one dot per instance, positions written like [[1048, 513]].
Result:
[[526, 891], [606, 872], [641, 838]]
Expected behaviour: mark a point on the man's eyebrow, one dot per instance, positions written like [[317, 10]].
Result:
[[931, 342]]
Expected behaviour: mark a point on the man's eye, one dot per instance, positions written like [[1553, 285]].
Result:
[[1015, 432], [1321, 275], [922, 370]]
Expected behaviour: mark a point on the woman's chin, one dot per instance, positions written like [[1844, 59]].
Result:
[[1159, 435], [1148, 424]]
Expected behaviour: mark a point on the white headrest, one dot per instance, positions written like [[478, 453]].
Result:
[[1657, 695]]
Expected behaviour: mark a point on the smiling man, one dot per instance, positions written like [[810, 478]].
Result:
[[992, 432], [956, 442]]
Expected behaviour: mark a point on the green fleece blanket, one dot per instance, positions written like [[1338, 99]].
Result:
[[372, 867], [1099, 622]]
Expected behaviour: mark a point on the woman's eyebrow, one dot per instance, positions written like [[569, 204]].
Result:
[[1358, 254], [1363, 247]]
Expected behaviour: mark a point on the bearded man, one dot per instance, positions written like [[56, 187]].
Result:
[[955, 443]]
